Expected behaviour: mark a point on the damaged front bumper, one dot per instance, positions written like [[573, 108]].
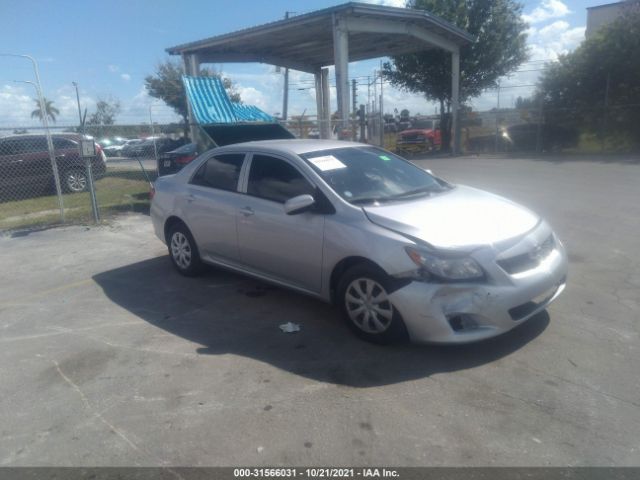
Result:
[[468, 312]]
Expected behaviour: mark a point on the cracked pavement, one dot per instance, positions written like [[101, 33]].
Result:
[[109, 358]]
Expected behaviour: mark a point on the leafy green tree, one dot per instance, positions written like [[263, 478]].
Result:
[[50, 110], [106, 112], [597, 86], [524, 103], [499, 49], [166, 84]]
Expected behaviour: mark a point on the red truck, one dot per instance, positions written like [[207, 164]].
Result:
[[422, 136]]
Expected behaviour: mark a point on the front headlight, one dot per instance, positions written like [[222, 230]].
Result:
[[450, 268]]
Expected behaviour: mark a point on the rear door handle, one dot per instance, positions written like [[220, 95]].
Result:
[[247, 211]]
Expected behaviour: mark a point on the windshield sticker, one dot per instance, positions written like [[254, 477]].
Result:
[[327, 162], [385, 158]]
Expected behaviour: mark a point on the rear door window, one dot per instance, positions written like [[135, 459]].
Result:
[[221, 172], [63, 143], [33, 145]]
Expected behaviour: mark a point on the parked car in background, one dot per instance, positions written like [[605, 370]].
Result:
[[401, 252], [526, 137], [150, 146], [422, 136], [25, 163], [125, 148], [112, 146], [175, 160]]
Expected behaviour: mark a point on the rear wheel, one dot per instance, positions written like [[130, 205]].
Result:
[[363, 293], [184, 251]]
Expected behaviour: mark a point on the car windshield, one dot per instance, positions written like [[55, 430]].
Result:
[[423, 124], [362, 175], [188, 148]]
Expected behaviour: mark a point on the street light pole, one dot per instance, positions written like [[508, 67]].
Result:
[[87, 163], [45, 121]]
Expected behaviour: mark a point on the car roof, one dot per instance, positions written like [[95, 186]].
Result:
[[295, 146], [67, 135]]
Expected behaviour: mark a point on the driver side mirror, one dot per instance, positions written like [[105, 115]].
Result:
[[299, 204]]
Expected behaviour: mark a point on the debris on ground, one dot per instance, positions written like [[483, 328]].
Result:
[[290, 327]]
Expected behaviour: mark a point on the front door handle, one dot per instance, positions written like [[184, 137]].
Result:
[[190, 198], [247, 211]]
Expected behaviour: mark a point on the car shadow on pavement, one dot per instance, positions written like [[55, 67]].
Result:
[[226, 313]]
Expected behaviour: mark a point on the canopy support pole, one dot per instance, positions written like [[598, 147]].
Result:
[[319, 102], [341, 60], [326, 103], [455, 102], [191, 68]]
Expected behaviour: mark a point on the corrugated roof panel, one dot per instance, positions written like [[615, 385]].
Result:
[[210, 103], [250, 113]]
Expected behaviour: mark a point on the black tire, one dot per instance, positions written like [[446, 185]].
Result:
[[74, 180], [180, 242], [364, 325]]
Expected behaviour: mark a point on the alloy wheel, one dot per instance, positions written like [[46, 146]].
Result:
[[76, 181], [181, 250], [368, 305]]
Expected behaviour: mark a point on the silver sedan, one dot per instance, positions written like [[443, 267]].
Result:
[[403, 253]]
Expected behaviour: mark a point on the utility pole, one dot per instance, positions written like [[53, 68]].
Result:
[[45, 122], [604, 114], [87, 162], [497, 116], [285, 94], [381, 108], [354, 106]]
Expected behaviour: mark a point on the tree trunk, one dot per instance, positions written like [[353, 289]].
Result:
[[185, 121], [445, 128]]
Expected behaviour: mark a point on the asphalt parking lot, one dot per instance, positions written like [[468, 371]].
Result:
[[110, 358]]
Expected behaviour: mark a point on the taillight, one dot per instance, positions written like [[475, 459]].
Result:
[[152, 192], [185, 160]]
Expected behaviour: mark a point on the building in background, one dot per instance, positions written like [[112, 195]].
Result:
[[601, 15]]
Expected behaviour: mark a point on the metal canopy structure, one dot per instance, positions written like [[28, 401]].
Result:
[[333, 36]]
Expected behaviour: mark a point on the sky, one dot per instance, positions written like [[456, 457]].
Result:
[[108, 47]]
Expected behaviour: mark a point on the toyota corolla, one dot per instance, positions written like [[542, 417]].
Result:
[[402, 253]]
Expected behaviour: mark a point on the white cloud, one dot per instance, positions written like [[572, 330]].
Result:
[[125, 76], [389, 3], [17, 103], [547, 10], [554, 39], [113, 68], [137, 110]]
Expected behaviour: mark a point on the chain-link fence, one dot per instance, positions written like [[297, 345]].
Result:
[[127, 158], [46, 179], [536, 130]]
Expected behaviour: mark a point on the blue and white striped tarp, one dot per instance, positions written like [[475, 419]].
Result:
[[211, 104]]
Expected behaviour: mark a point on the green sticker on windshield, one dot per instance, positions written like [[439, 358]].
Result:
[[385, 158]]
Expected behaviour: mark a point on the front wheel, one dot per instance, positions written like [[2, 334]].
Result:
[[184, 251], [363, 294], [74, 180]]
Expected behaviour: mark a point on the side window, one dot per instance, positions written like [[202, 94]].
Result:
[[221, 171], [7, 147], [33, 145], [274, 179], [63, 143]]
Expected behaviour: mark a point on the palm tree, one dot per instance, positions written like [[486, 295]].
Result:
[[49, 108]]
